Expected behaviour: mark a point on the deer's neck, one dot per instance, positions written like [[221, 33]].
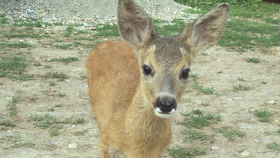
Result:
[[142, 119]]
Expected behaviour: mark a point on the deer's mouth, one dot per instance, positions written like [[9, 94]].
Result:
[[165, 108]]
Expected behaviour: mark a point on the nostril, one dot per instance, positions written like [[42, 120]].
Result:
[[166, 103]]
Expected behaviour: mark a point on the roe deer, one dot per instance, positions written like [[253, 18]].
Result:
[[135, 86]]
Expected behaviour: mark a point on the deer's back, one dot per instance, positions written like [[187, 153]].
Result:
[[113, 77]]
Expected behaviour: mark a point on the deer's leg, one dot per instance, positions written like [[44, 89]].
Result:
[[104, 147]]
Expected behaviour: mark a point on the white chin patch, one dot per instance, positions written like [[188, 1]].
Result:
[[160, 114]]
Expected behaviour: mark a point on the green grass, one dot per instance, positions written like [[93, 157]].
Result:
[[58, 23], [61, 94], [241, 87], [15, 45], [105, 30], [205, 90], [243, 5], [264, 115], [172, 29], [51, 109], [37, 63], [80, 133], [241, 79], [48, 66], [12, 142], [182, 152], [25, 32], [253, 60], [48, 122], [27, 144], [229, 132], [84, 38], [58, 105], [205, 104], [68, 31], [3, 21], [52, 123], [75, 44], [78, 44], [43, 121], [273, 146], [52, 83], [13, 64], [21, 36], [64, 60], [193, 120], [31, 22], [242, 35], [83, 77], [197, 112], [253, 24], [194, 135], [80, 120], [54, 130], [7, 123], [56, 75], [63, 46], [11, 107]]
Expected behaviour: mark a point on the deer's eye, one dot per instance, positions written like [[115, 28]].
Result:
[[147, 70], [185, 74]]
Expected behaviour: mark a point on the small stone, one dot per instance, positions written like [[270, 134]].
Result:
[[41, 10], [245, 154], [215, 148], [13, 134], [24, 151], [229, 99], [46, 43], [72, 146], [264, 139], [270, 102], [91, 28], [48, 143], [225, 105], [69, 81], [30, 11], [47, 156]]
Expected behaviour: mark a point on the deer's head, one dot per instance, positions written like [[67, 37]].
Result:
[[165, 61]]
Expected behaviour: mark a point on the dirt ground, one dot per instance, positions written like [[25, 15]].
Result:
[[216, 68]]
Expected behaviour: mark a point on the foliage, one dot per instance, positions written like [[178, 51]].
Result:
[[207, 3]]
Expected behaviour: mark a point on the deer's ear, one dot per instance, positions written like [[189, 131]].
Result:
[[135, 26], [206, 31]]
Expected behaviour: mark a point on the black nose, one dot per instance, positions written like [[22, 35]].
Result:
[[165, 105]]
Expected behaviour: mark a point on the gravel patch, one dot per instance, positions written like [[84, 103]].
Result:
[[86, 12]]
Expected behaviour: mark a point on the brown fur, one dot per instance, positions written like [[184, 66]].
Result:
[[123, 98]]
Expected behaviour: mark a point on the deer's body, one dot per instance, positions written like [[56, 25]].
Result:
[[116, 93], [135, 85]]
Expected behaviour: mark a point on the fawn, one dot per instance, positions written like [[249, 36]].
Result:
[[135, 86]]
